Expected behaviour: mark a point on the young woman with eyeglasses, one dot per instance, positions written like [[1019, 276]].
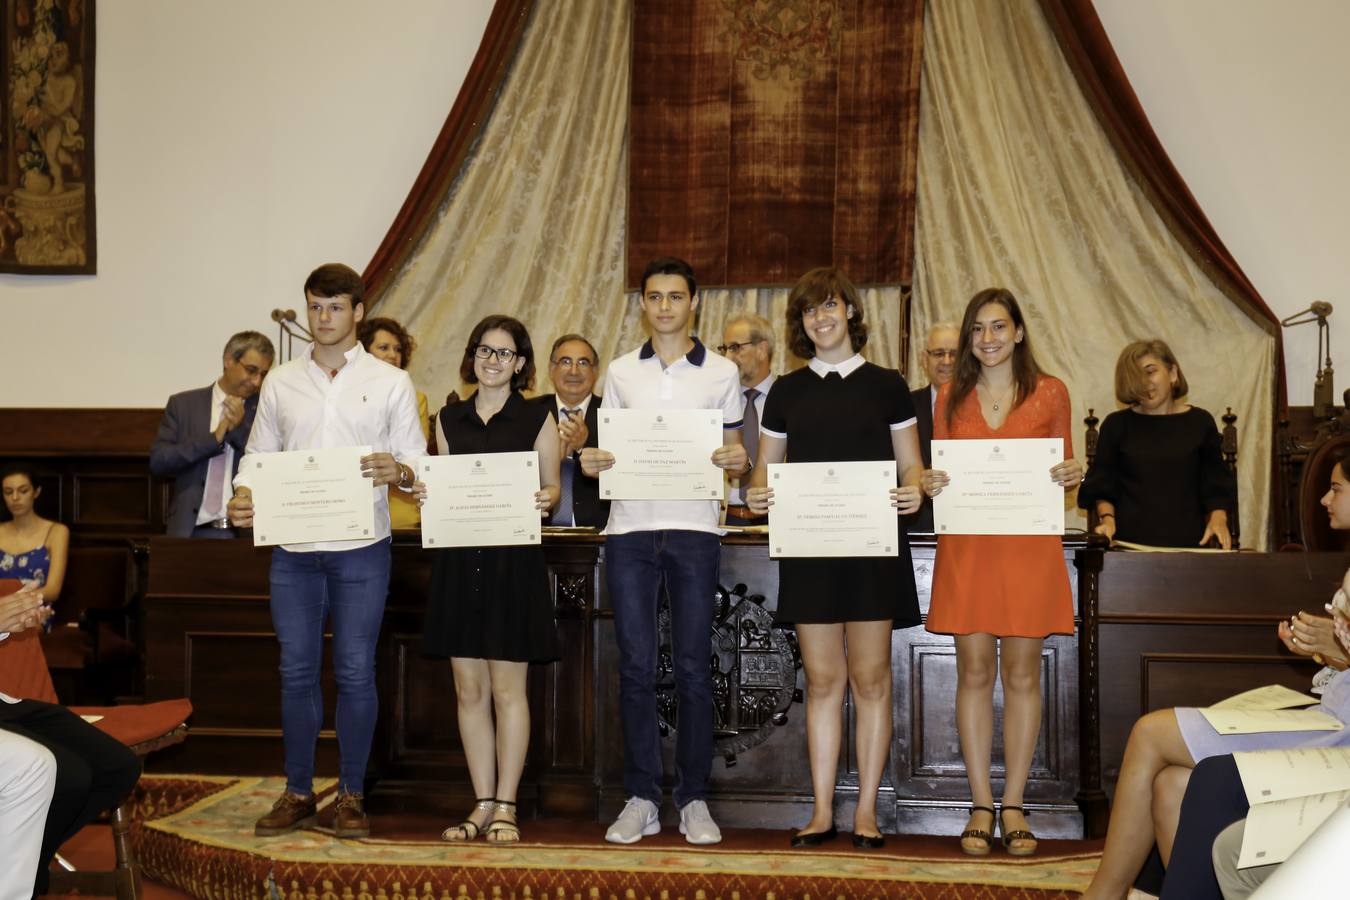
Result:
[[490, 611]]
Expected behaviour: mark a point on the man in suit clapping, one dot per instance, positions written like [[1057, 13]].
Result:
[[572, 367], [202, 438], [939, 363]]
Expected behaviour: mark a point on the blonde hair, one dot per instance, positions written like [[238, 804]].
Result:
[[1131, 385]]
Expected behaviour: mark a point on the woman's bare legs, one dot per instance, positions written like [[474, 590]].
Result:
[[512, 705], [1155, 744], [1020, 659], [976, 667], [473, 708], [826, 668], [869, 678], [1168, 789]]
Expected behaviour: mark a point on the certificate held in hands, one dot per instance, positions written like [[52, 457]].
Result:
[[480, 499], [304, 496], [661, 454], [833, 509], [999, 487]]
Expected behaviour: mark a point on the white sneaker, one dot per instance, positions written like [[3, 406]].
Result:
[[640, 818], [697, 825]]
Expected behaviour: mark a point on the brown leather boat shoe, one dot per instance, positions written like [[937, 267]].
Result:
[[290, 812], [349, 817]]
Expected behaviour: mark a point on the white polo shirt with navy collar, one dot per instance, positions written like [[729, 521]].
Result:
[[698, 380]]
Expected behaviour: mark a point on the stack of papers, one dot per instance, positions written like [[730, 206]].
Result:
[[1292, 792], [1267, 709]]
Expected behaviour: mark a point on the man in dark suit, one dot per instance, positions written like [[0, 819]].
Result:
[[572, 366], [202, 437], [939, 364]]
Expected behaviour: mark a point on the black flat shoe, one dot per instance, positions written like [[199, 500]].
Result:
[[815, 838], [869, 841]]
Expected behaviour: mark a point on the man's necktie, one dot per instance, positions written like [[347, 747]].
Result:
[[564, 514], [749, 436], [215, 483]]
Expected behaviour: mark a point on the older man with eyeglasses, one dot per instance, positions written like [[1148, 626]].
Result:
[[939, 364], [573, 366], [747, 340]]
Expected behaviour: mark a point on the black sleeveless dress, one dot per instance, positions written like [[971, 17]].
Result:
[[491, 602]]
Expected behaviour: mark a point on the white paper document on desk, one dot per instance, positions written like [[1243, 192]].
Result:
[[661, 454], [999, 487], [480, 499], [833, 509], [304, 496]]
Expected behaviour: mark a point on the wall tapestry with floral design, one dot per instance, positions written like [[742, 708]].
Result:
[[770, 136], [47, 137]]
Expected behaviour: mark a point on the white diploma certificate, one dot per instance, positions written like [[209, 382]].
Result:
[[1272, 696], [833, 509], [999, 487], [304, 496], [1269, 775], [1258, 721], [480, 499], [661, 454], [1275, 830]]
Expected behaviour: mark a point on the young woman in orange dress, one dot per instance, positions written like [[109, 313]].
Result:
[[1000, 595]]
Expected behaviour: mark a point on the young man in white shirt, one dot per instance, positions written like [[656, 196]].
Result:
[[675, 540], [335, 394]]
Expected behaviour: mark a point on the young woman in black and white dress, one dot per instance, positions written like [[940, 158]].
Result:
[[842, 408]]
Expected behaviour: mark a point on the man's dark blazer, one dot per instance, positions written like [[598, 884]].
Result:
[[587, 507], [923, 411], [183, 449]]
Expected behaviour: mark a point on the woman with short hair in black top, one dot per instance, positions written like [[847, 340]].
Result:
[[490, 611], [841, 408], [1158, 476]]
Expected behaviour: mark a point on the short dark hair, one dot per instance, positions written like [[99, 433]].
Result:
[[523, 379], [670, 265], [335, 280], [365, 333], [244, 341], [813, 289], [595, 357]]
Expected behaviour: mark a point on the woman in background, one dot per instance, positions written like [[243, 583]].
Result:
[[1158, 476], [1000, 595], [842, 408], [490, 610], [31, 548], [387, 340]]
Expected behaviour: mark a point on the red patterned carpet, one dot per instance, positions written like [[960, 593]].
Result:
[[194, 833]]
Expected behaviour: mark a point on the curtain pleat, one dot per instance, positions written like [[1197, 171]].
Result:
[[1019, 186]]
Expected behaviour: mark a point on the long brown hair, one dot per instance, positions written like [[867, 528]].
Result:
[[1025, 370]]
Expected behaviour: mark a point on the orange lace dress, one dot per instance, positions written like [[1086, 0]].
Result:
[[1005, 585]]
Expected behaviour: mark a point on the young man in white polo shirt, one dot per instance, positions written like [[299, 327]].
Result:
[[678, 540]]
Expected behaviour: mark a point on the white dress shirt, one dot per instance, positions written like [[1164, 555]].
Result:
[[580, 407], [204, 514], [368, 403]]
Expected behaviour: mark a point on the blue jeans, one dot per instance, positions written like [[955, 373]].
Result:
[[349, 588], [636, 563]]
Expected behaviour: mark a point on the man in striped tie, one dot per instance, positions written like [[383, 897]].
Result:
[[747, 340], [572, 367]]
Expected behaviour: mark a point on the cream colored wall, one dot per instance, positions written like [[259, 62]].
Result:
[[239, 145], [1249, 98]]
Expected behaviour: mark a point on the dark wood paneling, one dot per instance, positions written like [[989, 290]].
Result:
[[49, 432]]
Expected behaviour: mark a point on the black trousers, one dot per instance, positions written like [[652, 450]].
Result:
[[93, 771], [1214, 800]]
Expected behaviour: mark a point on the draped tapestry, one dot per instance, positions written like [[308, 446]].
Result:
[[771, 136]]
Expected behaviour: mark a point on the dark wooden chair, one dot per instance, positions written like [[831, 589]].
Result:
[[1228, 446], [90, 650]]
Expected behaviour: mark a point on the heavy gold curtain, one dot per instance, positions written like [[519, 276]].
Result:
[[1019, 186]]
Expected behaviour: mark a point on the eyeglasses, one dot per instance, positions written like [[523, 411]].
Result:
[[504, 356], [735, 347], [567, 362], [941, 354]]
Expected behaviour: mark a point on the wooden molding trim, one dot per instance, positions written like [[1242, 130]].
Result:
[[50, 432]]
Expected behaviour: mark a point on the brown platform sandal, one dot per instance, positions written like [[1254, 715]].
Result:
[[468, 829], [1022, 835], [503, 828], [986, 840]]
